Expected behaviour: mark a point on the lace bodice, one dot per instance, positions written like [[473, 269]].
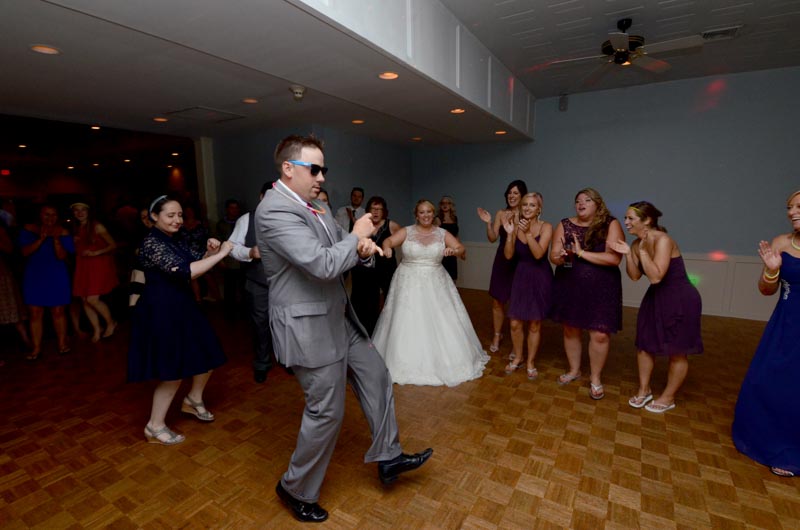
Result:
[[423, 248], [168, 255]]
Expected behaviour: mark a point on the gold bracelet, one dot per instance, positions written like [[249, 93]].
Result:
[[771, 276], [580, 254], [774, 280]]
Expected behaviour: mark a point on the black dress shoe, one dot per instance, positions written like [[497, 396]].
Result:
[[259, 376], [388, 470], [307, 512]]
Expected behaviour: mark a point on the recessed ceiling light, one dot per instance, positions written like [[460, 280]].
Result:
[[95, 127], [22, 146], [160, 119], [95, 164], [70, 167], [501, 132], [250, 101], [357, 122], [45, 49], [175, 154], [170, 165], [457, 111], [388, 75], [127, 160], [416, 139]]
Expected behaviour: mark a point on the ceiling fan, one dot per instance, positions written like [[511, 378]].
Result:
[[624, 49]]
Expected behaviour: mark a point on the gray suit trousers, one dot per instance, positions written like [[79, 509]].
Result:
[[324, 389]]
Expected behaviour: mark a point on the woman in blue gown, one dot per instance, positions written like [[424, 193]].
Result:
[[46, 284], [170, 337], [766, 425]]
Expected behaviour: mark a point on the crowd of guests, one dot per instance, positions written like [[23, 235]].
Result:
[[568, 272]]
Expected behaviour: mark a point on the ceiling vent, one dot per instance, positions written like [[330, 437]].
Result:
[[204, 114], [721, 34]]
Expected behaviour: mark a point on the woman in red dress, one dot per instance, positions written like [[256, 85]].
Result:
[[95, 272]]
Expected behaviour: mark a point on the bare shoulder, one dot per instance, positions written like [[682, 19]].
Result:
[[782, 242]]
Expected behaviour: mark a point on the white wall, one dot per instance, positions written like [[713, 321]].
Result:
[[727, 284]]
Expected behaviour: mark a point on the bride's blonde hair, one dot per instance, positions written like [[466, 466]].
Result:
[[420, 203]]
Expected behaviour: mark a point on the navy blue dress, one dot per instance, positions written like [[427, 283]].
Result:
[[766, 425], [170, 337]]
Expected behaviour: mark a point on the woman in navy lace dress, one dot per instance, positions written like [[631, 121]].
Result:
[[766, 426], [668, 324], [170, 338], [502, 268], [587, 293]]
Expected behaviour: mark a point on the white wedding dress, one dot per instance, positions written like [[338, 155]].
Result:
[[424, 333]]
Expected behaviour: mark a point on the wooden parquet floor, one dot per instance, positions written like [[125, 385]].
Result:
[[509, 453]]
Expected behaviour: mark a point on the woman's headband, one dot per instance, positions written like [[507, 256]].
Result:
[[153, 204]]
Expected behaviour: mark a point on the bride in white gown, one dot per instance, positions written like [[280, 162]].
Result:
[[424, 332]]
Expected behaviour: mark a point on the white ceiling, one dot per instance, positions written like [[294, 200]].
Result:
[[526, 35], [124, 62]]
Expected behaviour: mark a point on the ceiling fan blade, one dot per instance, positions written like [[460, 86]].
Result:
[[576, 59], [651, 64], [596, 75], [619, 41], [693, 41]]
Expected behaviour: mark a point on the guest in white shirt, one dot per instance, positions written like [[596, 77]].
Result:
[[256, 289], [347, 215]]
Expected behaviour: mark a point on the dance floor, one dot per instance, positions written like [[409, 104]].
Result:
[[508, 453]]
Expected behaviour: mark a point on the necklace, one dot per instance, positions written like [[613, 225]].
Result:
[[795, 245]]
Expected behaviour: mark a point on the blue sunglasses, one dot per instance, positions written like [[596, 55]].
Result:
[[315, 169]]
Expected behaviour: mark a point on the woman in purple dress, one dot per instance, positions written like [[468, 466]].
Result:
[[669, 315], [531, 288], [587, 292], [766, 425], [502, 269]]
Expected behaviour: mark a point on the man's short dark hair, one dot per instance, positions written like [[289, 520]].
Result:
[[290, 148], [357, 189]]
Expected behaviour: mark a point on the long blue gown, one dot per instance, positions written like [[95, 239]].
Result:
[[766, 426]]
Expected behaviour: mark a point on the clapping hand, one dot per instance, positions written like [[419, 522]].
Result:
[[449, 251], [621, 247], [508, 226], [524, 225], [485, 216], [772, 260], [576, 245]]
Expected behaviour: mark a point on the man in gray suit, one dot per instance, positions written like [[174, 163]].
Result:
[[314, 329]]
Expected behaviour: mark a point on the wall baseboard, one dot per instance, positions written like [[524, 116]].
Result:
[[727, 284]]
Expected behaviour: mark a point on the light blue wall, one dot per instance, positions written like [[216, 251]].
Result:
[[717, 155], [243, 162]]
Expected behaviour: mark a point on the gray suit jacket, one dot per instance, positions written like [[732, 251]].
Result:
[[308, 303]]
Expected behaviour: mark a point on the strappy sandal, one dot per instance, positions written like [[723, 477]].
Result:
[[596, 392], [780, 472], [32, 357], [567, 378], [533, 373], [511, 367], [190, 406], [152, 436], [494, 348], [638, 402]]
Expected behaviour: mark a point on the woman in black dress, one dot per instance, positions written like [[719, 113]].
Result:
[[446, 218], [170, 338], [369, 283]]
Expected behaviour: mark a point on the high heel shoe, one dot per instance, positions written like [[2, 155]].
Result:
[[190, 406], [494, 348], [152, 436]]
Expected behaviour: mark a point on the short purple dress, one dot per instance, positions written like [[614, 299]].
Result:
[[532, 288], [669, 316], [502, 272], [587, 296]]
